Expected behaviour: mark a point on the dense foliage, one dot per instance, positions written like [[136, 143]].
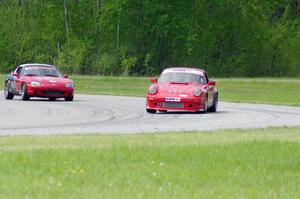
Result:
[[141, 37]]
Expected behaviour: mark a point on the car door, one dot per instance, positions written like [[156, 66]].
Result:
[[18, 81]]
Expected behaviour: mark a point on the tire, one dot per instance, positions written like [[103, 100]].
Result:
[[151, 111], [215, 105], [205, 105], [69, 98], [24, 94], [52, 98], [7, 94]]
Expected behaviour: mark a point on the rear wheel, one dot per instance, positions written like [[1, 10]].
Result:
[[151, 110], [7, 94], [69, 98], [24, 94]]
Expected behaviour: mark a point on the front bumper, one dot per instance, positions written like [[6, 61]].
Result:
[[160, 104], [48, 91]]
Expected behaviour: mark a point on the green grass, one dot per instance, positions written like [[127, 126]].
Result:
[[259, 163], [253, 90], [125, 86], [260, 90], [2, 77]]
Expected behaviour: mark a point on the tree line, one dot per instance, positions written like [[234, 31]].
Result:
[[141, 37]]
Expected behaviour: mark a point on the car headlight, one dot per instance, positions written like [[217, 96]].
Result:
[[152, 89], [197, 92], [35, 83], [70, 85]]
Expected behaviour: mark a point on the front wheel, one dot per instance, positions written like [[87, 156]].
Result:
[[151, 111], [24, 94], [69, 98], [7, 94], [215, 105], [205, 105]]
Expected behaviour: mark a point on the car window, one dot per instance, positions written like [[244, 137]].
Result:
[[19, 70], [42, 71], [204, 79], [23, 71], [177, 77]]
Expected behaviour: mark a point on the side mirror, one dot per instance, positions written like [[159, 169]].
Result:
[[211, 83], [153, 80], [66, 76], [14, 74]]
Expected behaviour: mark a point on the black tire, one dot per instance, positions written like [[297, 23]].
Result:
[[69, 98], [151, 111], [205, 105], [24, 94], [52, 98], [7, 94], [215, 105]]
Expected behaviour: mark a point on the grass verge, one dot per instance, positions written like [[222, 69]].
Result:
[[257, 163], [252, 90], [261, 90]]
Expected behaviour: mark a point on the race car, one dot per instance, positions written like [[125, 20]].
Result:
[[182, 89], [38, 80]]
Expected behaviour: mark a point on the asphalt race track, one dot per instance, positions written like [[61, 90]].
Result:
[[112, 114]]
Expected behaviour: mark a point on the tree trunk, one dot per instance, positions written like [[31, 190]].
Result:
[[118, 34], [98, 17], [66, 20], [295, 10]]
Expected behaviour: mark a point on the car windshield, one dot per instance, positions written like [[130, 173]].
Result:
[[42, 71], [179, 77]]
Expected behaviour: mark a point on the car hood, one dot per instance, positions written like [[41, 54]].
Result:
[[50, 80]]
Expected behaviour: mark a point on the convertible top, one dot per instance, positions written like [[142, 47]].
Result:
[[35, 64]]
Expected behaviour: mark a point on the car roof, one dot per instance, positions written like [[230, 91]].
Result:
[[36, 64], [184, 70]]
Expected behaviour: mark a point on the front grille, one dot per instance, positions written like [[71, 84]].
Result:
[[172, 105], [53, 92]]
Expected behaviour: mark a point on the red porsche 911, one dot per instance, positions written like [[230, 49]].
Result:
[[182, 89], [38, 80]]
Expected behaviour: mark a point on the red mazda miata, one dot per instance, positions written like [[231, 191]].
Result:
[[182, 89], [38, 80]]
